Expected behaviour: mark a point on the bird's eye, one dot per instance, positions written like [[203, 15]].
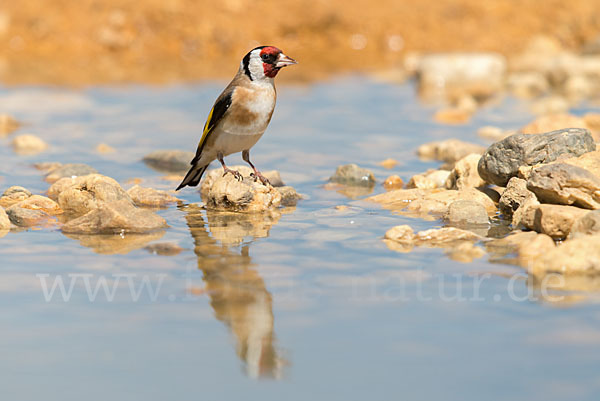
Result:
[[265, 57]]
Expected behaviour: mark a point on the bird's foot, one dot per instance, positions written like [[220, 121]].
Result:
[[258, 176], [238, 176]]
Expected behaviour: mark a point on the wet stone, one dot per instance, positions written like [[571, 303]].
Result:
[[449, 150], [12, 195], [446, 236], [150, 197], [115, 217], [466, 212], [501, 161], [28, 144], [289, 196], [351, 174], [70, 170], [402, 233], [7, 124], [34, 210], [389, 163], [393, 182], [565, 184], [169, 161]]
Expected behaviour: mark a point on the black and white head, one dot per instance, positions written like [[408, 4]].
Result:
[[264, 62]]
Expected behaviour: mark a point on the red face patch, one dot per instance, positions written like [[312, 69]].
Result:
[[269, 55]]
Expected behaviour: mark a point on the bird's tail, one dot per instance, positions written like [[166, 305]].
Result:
[[193, 177]]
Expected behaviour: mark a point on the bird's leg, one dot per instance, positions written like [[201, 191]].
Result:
[[226, 169], [257, 174]]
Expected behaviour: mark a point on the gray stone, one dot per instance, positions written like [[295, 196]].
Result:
[[33, 211], [169, 161], [587, 224], [351, 174], [515, 194], [565, 184], [70, 170], [466, 212], [501, 161], [115, 217]]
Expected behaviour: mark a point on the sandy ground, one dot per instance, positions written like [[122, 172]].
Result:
[[85, 41]]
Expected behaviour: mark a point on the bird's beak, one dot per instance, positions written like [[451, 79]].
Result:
[[284, 60]]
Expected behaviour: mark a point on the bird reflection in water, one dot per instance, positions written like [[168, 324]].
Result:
[[237, 292]]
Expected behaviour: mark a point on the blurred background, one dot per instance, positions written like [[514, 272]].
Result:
[[82, 42]]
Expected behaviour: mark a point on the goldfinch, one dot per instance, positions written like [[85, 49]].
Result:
[[240, 114]]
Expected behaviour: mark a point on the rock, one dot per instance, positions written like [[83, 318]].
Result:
[[274, 178], [164, 249], [449, 74], [494, 133], [553, 122], [28, 144], [7, 125], [465, 252], [510, 244], [115, 217], [530, 251], [552, 104], [4, 220], [70, 170], [104, 148], [449, 150], [289, 196], [578, 86], [527, 84], [47, 167], [12, 195], [393, 182], [150, 197], [464, 174], [520, 214], [586, 224], [589, 161], [501, 161], [169, 161], [388, 163], [351, 174], [515, 194], [553, 220], [32, 211], [591, 47], [429, 180], [592, 122], [565, 184], [78, 196], [466, 212], [432, 202], [575, 256], [442, 237], [452, 115], [403, 233], [228, 193]]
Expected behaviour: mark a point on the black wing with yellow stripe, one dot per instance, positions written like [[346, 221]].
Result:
[[216, 114]]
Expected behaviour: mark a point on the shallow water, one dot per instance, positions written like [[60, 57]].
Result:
[[305, 303]]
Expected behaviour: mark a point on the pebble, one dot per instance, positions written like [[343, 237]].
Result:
[[351, 174], [501, 161], [452, 115], [104, 148], [289, 196], [527, 84], [402, 233], [150, 197], [465, 252], [446, 236], [449, 150], [530, 251], [565, 184], [466, 212], [115, 217], [228, 193], [553, 122], [32, 211], [575, 256], [4, 220], [393, 182], [429, 180], [28, 144], [464, 174], [12, 195], [552, 104], [389, 163], [169, 161], [69, 170], [493, 133]]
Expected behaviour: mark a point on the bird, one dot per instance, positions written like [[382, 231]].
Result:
[[240, 115]]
